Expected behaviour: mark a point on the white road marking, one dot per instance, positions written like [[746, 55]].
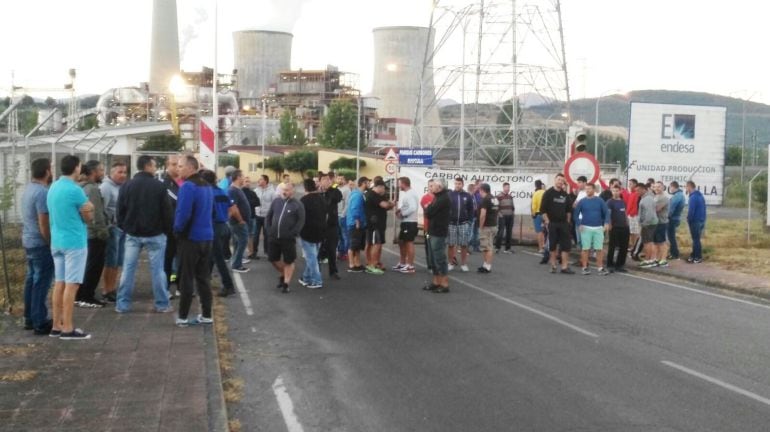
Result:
[[286, 405], [720, 383], [244, 295], [253, 329], [515, 303], [682, 287]]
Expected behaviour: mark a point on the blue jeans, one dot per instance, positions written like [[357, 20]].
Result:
[[36, 286], [156, 249], [696, 229], [260, 223], [671, 234], [312, 273], [241, 238], [344, 241], [475, 244]]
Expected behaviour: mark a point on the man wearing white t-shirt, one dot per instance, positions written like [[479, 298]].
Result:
[[408, 203]]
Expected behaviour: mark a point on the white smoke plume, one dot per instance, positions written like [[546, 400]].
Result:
[[191, 31]]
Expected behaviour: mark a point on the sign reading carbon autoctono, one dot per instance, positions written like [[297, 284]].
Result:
[[679, 143]]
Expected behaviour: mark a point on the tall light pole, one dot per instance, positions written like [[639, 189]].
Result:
[[264, 132], [596, 121], [214, 96], [358, 138]]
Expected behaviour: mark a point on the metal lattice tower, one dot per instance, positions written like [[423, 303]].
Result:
[[488, 53]]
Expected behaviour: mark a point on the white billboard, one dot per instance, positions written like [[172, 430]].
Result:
[[679, 143], [522, 183]]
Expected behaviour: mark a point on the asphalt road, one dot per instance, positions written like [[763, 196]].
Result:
[[515, 350]]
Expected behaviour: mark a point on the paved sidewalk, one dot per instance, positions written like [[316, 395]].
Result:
[[139, 372]]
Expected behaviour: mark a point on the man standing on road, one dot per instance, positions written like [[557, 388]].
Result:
[[36, 239], [222, 207], [460, 225], [696, 219], [172, 182], [648, 219], [284, 222], [424, 202], [408, 204], [557, 214], [631, 197], [265, 192], [675, 208], [537, 218], [224, 184], [595, 217], [356, 225], [113, 257], [488, 218], [661, 208], [145, 215], [333, 198], [618, 231], [239, 223], [377, 206], [194, 230], [251, 223], [342, 207], [505, 227], [473, 245], [69, 211], [312, 234], [98, 233], [438, 214]]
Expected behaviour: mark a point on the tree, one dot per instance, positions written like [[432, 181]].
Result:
[[339, 126], [345, 163], [301, 161], [274, 163], [229, 160], [733, 157], [289, 131], [88, 122], [164, 143], [506, 113]]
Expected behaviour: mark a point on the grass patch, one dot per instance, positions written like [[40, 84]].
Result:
[[20, 350], [233, 389], [232, 386], [234, 425], [18, 376]]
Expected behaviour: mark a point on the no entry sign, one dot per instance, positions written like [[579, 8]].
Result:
[[581, 164]]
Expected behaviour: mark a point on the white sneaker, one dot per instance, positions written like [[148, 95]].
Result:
[[464, 268], [398, 266], [245, 261], [204, 320], [451, 267]]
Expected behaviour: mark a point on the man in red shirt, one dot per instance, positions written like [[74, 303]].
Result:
[[425, 202], [631, 199]]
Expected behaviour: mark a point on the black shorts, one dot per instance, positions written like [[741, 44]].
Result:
[[559, 235], [357, 239], [660, 233], [282, 248], [375, 235], [408, 231], [648, 233]]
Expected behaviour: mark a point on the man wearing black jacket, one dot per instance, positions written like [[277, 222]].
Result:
[[438, 230], [333, 197], [145, 214], [172, 182], [251, 222]]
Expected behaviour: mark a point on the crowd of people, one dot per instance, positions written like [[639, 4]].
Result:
[[89, 228]]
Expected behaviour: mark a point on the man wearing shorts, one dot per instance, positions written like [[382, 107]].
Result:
[[438, 213], [460, 225], [595, 219], [556, 209], [284, 221], [113, 257], [661, 209], [488, 213], [408, 203], [537, 218], [631, 198], [69, 211], [355, 222], [648, 219], [377, 207]]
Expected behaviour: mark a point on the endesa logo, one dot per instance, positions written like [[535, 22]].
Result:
[[676, 127]]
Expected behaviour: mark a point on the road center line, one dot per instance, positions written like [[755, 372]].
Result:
[[242, 292], [720, 383], [682, 287], [514, 303], [286, 405]]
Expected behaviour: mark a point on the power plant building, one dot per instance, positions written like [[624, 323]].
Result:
[[260, 55]]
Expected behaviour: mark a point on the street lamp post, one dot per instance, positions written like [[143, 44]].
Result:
[[596, 121], [358, 139]]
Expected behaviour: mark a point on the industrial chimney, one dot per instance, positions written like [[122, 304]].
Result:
[[260, 55], [399, 53], [164, 49]]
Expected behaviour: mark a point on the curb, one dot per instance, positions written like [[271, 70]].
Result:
[[215, 395], [707, 282]]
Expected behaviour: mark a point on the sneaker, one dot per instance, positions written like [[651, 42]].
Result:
[[567, 271], [357, 269], [280, 282], [203, 320], [324, 261], [464, 268], [172, 278], [94, 303], [621, 270], [182, 322], [696, 260], [672, 258], [647, 264], [54, 333], [315, 286], [245, 261], [374, 270], [482, 269], [110, 297], [398, 266], [440, 290], [241, 270], [45, 330], [450, 267], [75, 334], [553, 269], [586, 271], [302, 282], [602, 271], [508, 251], [663, 263], [165, 309], [407, 269], [285, 288]]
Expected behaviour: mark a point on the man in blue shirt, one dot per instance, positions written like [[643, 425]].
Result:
[[194, 231], [238, 221], [675, 207], [36, 239], [356, 225], [69, 211], [223, 206], [594, 222], [696, 219]]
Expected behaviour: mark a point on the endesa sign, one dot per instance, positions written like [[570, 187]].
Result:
[[679, 143]]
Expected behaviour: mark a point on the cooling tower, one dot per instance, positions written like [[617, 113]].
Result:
[[164, 49], [259, 56], [399, 53]]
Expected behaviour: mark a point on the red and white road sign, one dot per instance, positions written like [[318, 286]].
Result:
[[581, 164], [391, 168], [391, 155]]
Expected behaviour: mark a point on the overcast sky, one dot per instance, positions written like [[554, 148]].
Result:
[[717, 47]]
